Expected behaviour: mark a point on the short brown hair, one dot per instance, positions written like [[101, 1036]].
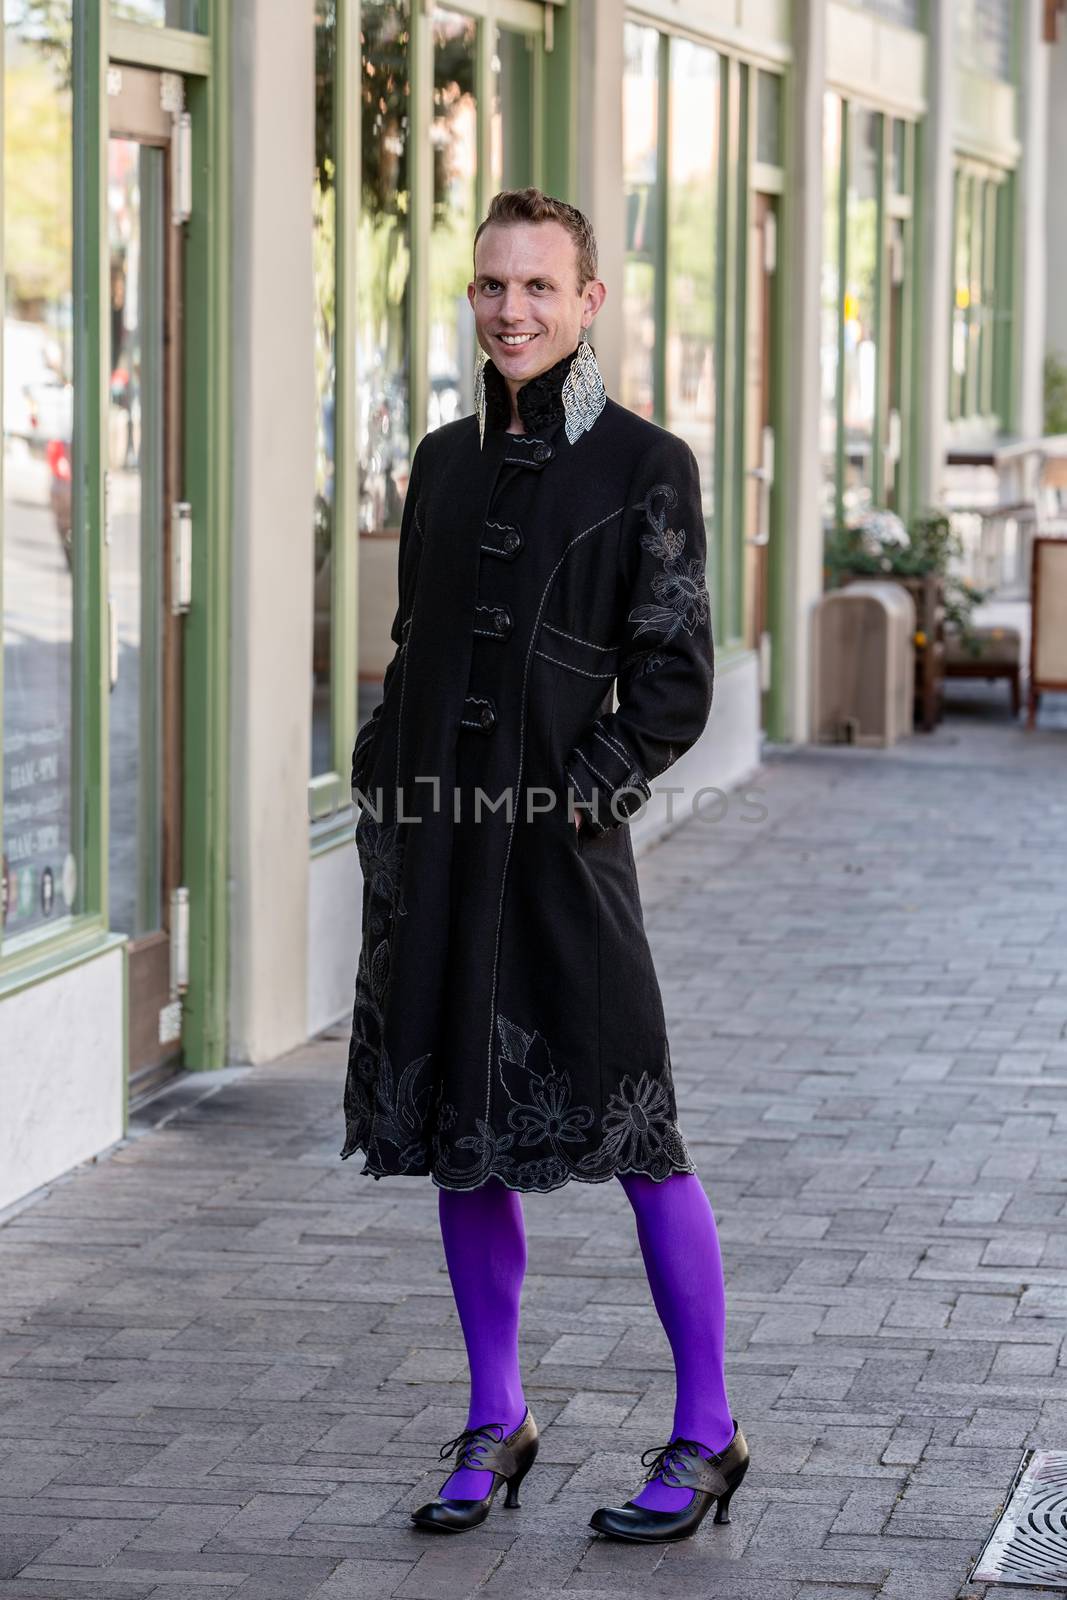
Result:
[[533, 205]]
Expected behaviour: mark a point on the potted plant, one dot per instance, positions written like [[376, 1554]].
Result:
[[918, 556], [878, 545]]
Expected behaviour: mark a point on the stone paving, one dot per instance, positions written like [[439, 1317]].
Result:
[[227, 1359]]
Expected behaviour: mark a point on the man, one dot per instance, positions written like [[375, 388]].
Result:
[[508, 1032]]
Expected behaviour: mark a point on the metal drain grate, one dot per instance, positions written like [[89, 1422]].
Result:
[[1029, 1542]]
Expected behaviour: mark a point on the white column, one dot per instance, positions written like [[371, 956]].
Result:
[[933, 277], [1032, 180], [273, 488], [799, 561]]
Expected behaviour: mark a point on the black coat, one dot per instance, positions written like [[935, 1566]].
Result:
[[508, 1018]]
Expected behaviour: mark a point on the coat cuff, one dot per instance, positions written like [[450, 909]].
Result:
[[362, 747], [608, 784]]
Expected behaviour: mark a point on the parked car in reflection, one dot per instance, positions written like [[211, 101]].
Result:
[[57, 454]]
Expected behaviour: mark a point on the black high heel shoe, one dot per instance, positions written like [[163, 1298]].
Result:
[[680, 1464], [508, 1459]]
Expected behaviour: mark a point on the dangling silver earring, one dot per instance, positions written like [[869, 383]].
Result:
[[479, 394], [583, 395]]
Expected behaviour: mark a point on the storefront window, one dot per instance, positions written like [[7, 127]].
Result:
[[859, 375], [979, 309], [454, 136], [906, 12], [641, 92], [867, 310], [769, 118], [384, 254], [324, 250], [41, 852], [984, 37], [513, 92], [692, 188], [829, 323], [187, 14]]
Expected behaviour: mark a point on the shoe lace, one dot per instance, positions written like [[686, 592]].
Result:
[[665, 1459], [470, 1441]]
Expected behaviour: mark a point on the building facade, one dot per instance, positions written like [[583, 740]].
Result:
[[236, 239]]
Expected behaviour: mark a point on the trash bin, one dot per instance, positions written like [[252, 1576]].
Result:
[[863, 664]]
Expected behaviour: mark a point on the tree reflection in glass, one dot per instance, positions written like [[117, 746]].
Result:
[[384, 265], [454, 135], [324, 259], [41, 856]]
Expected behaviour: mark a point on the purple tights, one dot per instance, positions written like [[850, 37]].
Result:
[[485, 1249]]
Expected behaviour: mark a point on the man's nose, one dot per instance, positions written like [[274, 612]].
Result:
[[513, 305]]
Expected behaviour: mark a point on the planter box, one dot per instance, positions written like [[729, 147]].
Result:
[[928, 593]]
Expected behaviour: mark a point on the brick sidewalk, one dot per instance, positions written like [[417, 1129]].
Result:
[[228, 1359]]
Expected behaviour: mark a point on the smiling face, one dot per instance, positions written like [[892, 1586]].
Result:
[[528, 310]]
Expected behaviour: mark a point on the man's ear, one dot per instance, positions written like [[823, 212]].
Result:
[[594, 295]]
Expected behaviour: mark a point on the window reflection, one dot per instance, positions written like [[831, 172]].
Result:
[[513, 92], [384, 254], [691, 255], [984, 41], [136, 230], [324, 248], [976, 301], [769, 118], [859, 374], [906, 12], [829, 323], [187, 14], [40, 849], [640, 87], [381, 291], [454, 136]]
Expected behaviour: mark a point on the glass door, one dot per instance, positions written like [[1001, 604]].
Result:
[[147, 559], [759, 431]]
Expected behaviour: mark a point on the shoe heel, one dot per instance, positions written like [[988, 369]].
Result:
[[511, 1501], [722, 1504]]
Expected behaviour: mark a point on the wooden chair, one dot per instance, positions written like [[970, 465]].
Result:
[[997, 654], [1048, 629]]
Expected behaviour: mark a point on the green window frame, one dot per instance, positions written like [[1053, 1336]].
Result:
[[980, 297], [891, 292], [553, 165], [651, 208], [203, 59]]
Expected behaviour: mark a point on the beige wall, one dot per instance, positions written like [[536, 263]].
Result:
[[274, 421]]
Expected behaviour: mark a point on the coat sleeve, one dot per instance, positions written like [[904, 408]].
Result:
[[667, 667], [408, 554]]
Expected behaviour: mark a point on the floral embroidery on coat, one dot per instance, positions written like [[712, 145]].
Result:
[[681, 588], [637, 1131]]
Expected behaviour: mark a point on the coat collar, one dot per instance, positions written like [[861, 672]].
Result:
[[540, 400]]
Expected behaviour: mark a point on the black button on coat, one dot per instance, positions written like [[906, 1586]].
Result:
[[508, 1018]]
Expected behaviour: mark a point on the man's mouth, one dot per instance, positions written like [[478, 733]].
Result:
[[515, 341]]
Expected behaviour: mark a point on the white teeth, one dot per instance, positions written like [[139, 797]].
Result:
[[517, 338]]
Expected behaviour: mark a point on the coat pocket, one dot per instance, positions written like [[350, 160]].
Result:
[[582, 656]]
